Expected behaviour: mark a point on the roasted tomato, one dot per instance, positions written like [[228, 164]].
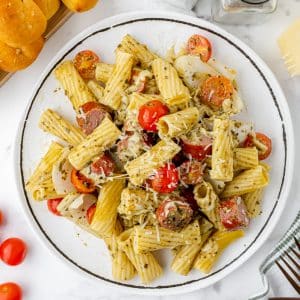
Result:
[[199, 45], [90, 213], [233, 213], [13, 251], [174, 213], [81, 183], [10, 291], [261, 142], [150, 113], [90, 116], [52, 205], [190, 172], [165, 179], [85, 63], [197, 149], [215, 90], [104, 165]]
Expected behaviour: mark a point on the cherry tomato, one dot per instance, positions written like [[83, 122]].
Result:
[[90, 116], [165, 179], [52, 205], [174, 213], [104, 165], [85, 63], [190, 172], [215, 90], [90, 213], [13, 251], [150, 113], [10, 291], [81, 183], [197, 149], [233, 213], [263, 139], [199, 45]]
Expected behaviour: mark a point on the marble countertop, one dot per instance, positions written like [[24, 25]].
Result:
[[42, 276]]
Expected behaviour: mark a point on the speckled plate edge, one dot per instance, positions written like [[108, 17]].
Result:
[[287, 133]]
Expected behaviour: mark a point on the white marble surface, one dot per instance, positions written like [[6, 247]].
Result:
[[42, 276]]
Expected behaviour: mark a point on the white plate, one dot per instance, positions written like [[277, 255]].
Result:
[[266, 106]]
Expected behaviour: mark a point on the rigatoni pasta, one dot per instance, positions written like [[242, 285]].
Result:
[[55, 124], [169, 84], [73, 85]]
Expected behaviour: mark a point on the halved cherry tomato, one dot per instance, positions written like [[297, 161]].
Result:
[[81, 183], [90, 213], [10, 291], [13, 251], [52, 205], [165, 179], [174, 213], [191, 172], [215, 90], [199, 45], [90, 116], [233, 213], [262, 139], [150, 113], [198, 149], [104, 165], [85, 63]]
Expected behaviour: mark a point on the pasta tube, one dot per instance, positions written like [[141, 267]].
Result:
[[169, 84], [214, 247], [55, 124], [42, 173], [222, 152], [105, 217], [245, 158], [253, 202], [146, 264], [122, 268], [73, 85], [96, 89], [118, 81], [155, 238], [246, 182], [44, 190], [100, 139], [176, 124], [136, 100], [103, 72], [185, 256], [143, 166], [208, 202], [139, 51]]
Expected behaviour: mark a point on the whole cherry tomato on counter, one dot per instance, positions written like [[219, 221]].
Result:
[[13, 251], [10, 291]]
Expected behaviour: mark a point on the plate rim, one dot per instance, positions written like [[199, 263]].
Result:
[[277, 210]]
